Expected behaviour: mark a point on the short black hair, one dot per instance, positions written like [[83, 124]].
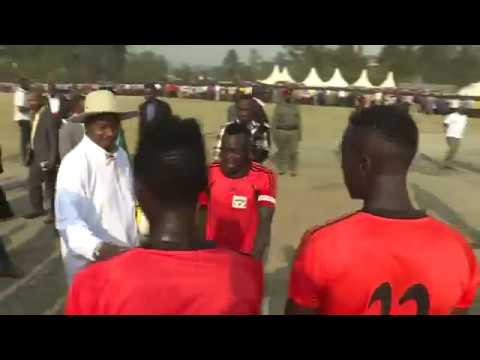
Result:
[[237, 129], [394, 125], [171, 161]]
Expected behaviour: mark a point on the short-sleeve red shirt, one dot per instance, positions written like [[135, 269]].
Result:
[[365, 264], [233, 205], [153, 282]]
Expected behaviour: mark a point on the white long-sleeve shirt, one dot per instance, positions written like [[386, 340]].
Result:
[[94, 203]]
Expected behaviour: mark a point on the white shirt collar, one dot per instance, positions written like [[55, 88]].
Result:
[[96, 150]]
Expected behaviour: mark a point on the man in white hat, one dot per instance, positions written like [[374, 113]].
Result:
[[95, 204]]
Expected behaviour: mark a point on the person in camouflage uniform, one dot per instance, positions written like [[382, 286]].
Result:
[[287, 133]]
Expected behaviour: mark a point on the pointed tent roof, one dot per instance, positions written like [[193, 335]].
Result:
[[313, 80], [470, 90], [363, 81], [389, 82], [274, 76], [337, 80], [285, 76]]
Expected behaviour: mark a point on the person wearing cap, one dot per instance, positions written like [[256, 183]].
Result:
[[287, 133], [95, 203]]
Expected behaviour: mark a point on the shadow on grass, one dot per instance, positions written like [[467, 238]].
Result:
[[467, 166], [428, 201], [277, 282], [427, 165]]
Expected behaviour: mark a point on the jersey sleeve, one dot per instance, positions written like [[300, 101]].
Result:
[[306, 277], [267, 191], [472, 282], [82, 295], [203, 198]]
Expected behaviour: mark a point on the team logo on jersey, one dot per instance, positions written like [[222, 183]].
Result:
[[239, 202]]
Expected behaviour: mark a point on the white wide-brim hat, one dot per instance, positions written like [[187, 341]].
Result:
[[102, 102]]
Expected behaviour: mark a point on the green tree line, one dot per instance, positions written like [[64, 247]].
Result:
[[438, 64]]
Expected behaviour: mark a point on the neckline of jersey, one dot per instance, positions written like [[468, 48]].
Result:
[[396, 214]]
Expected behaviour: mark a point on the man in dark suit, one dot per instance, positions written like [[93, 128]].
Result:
[[44, 156], [70, 133], [152, 110], [57, 103]]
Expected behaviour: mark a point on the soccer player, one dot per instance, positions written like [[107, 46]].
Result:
[[239, 203], [389, 258], [179, 273]]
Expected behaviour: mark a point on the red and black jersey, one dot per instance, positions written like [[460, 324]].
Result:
[[366, 264], [233, 205], [154, 282]]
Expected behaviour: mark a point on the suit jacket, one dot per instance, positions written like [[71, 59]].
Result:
[[70, 135], [64, 108], [162, 112], [45, 141]]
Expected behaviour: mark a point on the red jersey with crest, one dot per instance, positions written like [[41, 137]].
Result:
[[155, 282], [233, 205], [366, 264]]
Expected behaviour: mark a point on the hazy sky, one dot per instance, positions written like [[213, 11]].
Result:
[[214, 54]]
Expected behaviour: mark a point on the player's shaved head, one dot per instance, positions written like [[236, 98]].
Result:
[[171, 163], [379, 141], [235, 154]]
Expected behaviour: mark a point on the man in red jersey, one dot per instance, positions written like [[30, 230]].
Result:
[[389, 258], [239, 203], [179, 273]]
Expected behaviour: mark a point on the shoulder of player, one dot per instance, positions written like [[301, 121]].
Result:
[[238, 258], [329, 226], [442, 228], [213, 168], [259, 168]]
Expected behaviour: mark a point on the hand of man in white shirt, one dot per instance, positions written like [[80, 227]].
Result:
[[108, 251]]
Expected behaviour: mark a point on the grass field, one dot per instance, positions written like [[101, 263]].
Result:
[[318, 194]]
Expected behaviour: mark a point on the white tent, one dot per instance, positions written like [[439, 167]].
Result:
[[470, 90], [313, 80], [274, 77], [337, 80], [285, 76], [389, 82], [363, 81]]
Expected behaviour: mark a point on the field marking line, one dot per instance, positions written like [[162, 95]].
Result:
[[14, 287], [56, 307]]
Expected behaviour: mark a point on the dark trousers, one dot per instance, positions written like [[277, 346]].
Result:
[[36, 178], [453, 145], [25, 130], [5, 210]]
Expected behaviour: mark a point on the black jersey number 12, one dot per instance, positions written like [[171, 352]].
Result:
[[417, 293]]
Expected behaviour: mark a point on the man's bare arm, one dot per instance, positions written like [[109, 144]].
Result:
[[262, 241]]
